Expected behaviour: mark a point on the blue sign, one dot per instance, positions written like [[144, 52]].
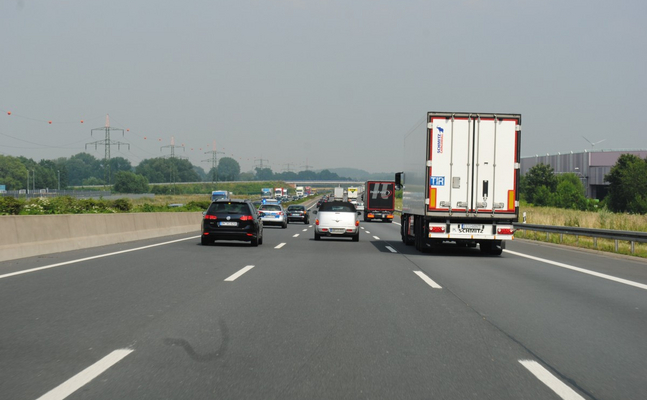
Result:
[[437, 181]]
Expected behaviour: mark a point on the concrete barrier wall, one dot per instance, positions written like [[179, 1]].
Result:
[[32, 235]]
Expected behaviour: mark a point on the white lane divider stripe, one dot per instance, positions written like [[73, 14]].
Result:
[[368, 232], [391, 249], [239, 273], [84, 377], [427, 280], [305, 230], [376, 238], [279, 246], [550, 380], [295, 235], [582, 270], [93, 257]]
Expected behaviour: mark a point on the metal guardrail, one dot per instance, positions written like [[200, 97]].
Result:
[[632, 237]]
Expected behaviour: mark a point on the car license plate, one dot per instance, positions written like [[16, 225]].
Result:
[[337, 230], [228, 223]]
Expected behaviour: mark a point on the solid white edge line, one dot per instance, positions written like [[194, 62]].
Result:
[[279, 246], [84, 377], [391, 249], [557, 386], [376, 238], [239, 273], [427, 280], [93, 257], [582, 270]]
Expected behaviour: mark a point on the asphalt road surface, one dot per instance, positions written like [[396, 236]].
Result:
[[331, 319]]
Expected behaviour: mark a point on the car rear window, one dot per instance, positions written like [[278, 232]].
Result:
[[229, 208], [270, 207], [337, 207], [296, 208]]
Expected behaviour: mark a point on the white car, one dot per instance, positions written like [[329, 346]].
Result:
[[273, 214], [337, 219]]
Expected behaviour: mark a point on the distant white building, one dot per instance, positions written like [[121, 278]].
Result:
[[590, 166]]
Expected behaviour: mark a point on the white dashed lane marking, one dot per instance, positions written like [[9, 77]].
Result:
[[280, 245]]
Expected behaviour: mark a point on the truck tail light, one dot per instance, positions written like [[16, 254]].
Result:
[[505, 231], [437, 229], [389, 216], [371, 215]]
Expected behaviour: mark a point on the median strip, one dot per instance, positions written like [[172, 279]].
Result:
[[93, 257]]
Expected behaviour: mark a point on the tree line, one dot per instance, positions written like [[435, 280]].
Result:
[[84, 169], [627, 190]]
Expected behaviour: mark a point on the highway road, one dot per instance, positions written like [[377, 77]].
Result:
[[331, 319]]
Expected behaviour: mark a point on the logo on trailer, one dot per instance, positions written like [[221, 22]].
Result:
[[381, 189], [437, 181], [440, 138]]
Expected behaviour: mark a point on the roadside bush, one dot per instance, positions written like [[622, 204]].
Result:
[[198, 205], [10, 205], [123, 205]]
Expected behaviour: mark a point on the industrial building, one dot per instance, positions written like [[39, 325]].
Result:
[[589, 166]]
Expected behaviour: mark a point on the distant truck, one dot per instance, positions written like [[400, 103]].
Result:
[[285, 192], [460, 181], [278, 193], [352, 193], [379, 200], [300, 191], [220, 195], [266, 193], [338, 193]]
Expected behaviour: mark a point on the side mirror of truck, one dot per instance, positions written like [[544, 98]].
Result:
[[399, 180]]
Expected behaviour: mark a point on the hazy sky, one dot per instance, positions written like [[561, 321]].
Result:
[[324, 83]]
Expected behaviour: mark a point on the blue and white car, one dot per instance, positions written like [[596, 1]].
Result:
[[273, 214]]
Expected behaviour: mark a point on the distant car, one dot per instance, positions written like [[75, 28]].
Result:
[[273, 214], [337, 219], [232, 220], [298, 213], [359, 206]]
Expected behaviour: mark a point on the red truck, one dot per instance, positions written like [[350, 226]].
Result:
[[379, 200]]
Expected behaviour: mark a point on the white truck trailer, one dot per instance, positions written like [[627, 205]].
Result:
[[460, 181]]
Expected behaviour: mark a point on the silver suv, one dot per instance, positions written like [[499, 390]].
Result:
[[273, 214]]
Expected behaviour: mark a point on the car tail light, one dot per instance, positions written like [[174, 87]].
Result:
[[316, 222], [505, 231], [349, 230], [210, 217], [246, 218], [437, 229], [357, 223]]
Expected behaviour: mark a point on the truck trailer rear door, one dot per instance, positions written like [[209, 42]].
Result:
[[474, 163]]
